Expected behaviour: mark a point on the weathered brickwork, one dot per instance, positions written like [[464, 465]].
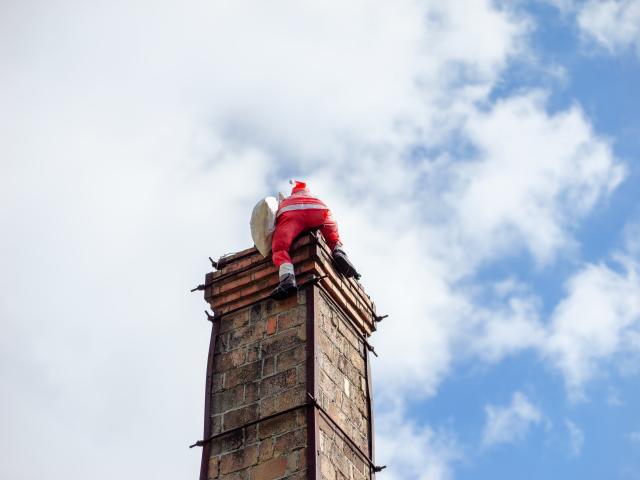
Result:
[[338, 459], [307, 353], [259, 368], [343, 394]]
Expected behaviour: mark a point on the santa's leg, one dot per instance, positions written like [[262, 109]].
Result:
[[288, 227], [330, 232]]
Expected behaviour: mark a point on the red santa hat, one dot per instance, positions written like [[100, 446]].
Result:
[[297, 186]]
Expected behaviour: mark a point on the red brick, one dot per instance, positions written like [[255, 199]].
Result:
[[293, 461], [224, 298], [213, 468], [291, 358], [216, 424], [236, 320], [245, 374], [302, 373], [279, 306], [217, 382], [299, 475], [301, 416], [239, 475], [234, 282], [250, 392], [291, 318], [254, 352], [290, 441], [221, 342], [277, 383], [255, 313], [240, 416], [270, 470], [265, 450], [302, 297], [284, 400], [357, 475], [358, 463], [232, 359], [278, 425], [228, 399], [264, 287], [283, 341], [239, 459], [251, 434], [268, 366], [227, 443], [326, 468], [245, 335], [287, 303], [341, 462], [240, 260], [272, 324], [302, 458], [249, 290], [270, 307], [265, 271]]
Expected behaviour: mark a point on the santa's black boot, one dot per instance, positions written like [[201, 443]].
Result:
[[287, 284], [343, 265], [286, 288]]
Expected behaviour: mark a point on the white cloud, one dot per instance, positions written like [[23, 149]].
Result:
[[130, 157], [593, 322], [511, 423], [614, 24], [410, 451], [535, 175], [576, 437], [611, 24], [136, 138], [510, 328]]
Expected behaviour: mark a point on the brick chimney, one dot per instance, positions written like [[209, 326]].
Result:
[[288, 389]]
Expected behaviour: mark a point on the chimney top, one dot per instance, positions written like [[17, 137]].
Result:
[[246, 278]]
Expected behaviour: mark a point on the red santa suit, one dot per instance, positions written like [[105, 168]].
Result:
[[297, 213]]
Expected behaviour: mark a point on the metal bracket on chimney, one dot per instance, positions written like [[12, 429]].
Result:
[[312, 281], [370, 348]]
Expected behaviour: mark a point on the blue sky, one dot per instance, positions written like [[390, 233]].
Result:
[[481, 158], [605, 87]]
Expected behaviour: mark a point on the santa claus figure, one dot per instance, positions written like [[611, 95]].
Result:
[[299, 212]]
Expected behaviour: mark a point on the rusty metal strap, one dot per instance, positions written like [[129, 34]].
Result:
[[215, 325], [201, 443], [312, 402]]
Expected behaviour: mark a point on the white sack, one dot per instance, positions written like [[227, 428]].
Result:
[[263, 223]]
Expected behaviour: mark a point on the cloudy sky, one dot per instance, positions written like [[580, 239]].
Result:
[[482, 159]]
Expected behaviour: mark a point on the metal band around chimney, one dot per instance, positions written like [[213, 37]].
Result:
[[313, 426], [204, 464]]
